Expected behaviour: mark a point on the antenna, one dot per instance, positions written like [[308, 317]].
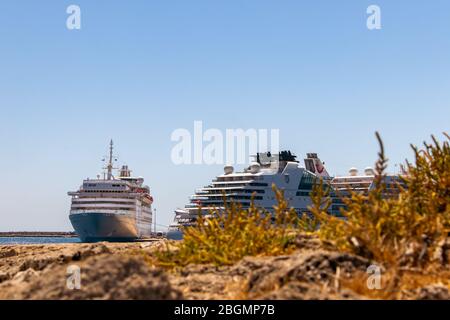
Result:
[[109, 166]]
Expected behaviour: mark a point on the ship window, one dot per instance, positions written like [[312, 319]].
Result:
[[307, 181], [258, 184]]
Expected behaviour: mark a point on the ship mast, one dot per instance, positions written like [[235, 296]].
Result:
[[110, 163]]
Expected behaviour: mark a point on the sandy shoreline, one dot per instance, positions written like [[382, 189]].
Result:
[[123, 271]]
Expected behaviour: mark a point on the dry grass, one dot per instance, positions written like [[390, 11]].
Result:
[[401, 233], [394, 230], [234, 233]]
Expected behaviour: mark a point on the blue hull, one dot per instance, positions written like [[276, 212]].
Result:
[[94, 227], [174, 235]]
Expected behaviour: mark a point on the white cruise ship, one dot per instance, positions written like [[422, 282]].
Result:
[[281, 169], [361, 183], [112, 208]]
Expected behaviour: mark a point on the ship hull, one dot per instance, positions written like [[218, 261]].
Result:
[[97, 226], [174, 235]]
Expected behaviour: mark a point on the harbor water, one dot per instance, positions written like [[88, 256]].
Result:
[[37, 240]]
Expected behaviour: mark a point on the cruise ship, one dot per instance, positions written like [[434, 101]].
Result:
[[112, 208], [361, 183], [287, 174], [281, 169]]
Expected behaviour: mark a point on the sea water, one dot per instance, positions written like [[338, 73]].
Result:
[[37, 240]]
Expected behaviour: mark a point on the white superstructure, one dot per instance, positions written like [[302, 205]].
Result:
[[361, 183], [281, 170]]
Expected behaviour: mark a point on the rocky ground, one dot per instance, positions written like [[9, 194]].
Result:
[[121, 271]]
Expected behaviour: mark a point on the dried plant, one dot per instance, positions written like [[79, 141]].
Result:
[[396, 231], [233, 233], [405, 229]]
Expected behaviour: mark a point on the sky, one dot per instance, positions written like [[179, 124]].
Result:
[[138, 70]]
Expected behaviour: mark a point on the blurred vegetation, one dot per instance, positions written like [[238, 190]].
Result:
[[233, 233], [403, 228]]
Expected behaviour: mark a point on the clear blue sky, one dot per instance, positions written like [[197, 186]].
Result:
[[137, 70]]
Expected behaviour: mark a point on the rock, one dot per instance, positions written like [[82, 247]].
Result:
[[305, 241], [8, 253], [4, 276], [301, 275], [302, 291], [35, 264], [144, 245], [441, 253], [105, 277], [433, 292], [124, 271], [19, 258], [25, 276], [290, 276]]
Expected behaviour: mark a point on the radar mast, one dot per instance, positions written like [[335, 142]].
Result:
[[109, 167]]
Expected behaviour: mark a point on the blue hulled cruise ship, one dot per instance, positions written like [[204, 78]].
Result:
[[112, 208]]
